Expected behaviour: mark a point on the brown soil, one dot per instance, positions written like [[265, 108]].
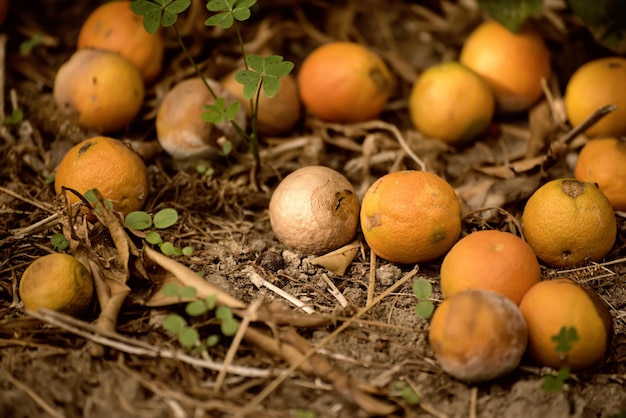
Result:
[[51, 365]]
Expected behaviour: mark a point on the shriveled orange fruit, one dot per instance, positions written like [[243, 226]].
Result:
[[410, 216], [568, 222], [598, 83], [478, 335], [108, 165], [603, 161], [491, 260], [344, 82], [101, 89], [452, 103], [551, 305], [59, 282], [113, 26], [513, 64]]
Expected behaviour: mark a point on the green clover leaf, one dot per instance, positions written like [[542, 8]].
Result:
[[229, 11], [157, 13]]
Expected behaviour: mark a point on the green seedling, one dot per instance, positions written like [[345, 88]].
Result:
[[304, 413], [59, 242], [260, 73], [14, 118], [90, 196], [27, 46], [188, 336], [406, 392], [142, 221], [422, 289], [564, 341]]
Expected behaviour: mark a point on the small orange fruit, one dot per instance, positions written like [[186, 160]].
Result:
[[513, 64], [314, 210], [113, 26], [101, 89], [551, 305], [410, 216], [492, 260], [568, 222], [278, 114], [478, 335], [603, 161], [59, 282], [344, 82], [108, 165], [452, 103], [595, 84]]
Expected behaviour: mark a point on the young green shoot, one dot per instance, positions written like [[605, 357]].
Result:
[[142, 221], [261, 74], [188, 336], [14, 118], [564, 341], [59, 242], [406, 392], [422, 289]]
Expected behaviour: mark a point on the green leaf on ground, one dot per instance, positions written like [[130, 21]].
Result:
[[511, 13]]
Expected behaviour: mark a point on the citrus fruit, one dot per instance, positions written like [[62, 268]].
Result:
[[113, 26], [513, 64], [568, 222], [598, 83], [181, 129], [59, 282], [344, 82], [492, 260], [452, 103], [603, 161], [101, 89], [314, 210], [277, 115], [410, 216], [478, 335], [108, 165], [551, 305]]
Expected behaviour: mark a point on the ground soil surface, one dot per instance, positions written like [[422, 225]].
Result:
[[51, 365]]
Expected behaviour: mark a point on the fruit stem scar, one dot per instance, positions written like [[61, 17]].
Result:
[[573, 188], [84, 148], [382, 84]]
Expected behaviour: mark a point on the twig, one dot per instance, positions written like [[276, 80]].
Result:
[[255, 402], [23, 199], [31, 394], [45, 223], [335, 292], [259, 282], [131, 346], [473, 402], [3, 47], [372, 282]]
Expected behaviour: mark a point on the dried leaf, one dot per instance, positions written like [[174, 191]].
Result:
[[337, 261]]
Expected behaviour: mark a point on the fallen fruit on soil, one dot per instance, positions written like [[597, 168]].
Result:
[[598, 83], [452, 103], [108, 165], [551, 305], [59, 282], [513, 64], [344, 82], [101, 89], [568, 222], [114, 27], [478, 335], [603, 161], [410, 216], [278, 114], [491, 260], [182, 132], [314, 210]]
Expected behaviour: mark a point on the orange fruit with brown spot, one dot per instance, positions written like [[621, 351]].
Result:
[[114, 27], [108, 165], [59, 282], [478, 335], [452, 103], [101, 89], [598, 83], [513, 64], [551, 305], [410, 216], [491, 260], [568, 222], [344, 82], [603, 161]]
